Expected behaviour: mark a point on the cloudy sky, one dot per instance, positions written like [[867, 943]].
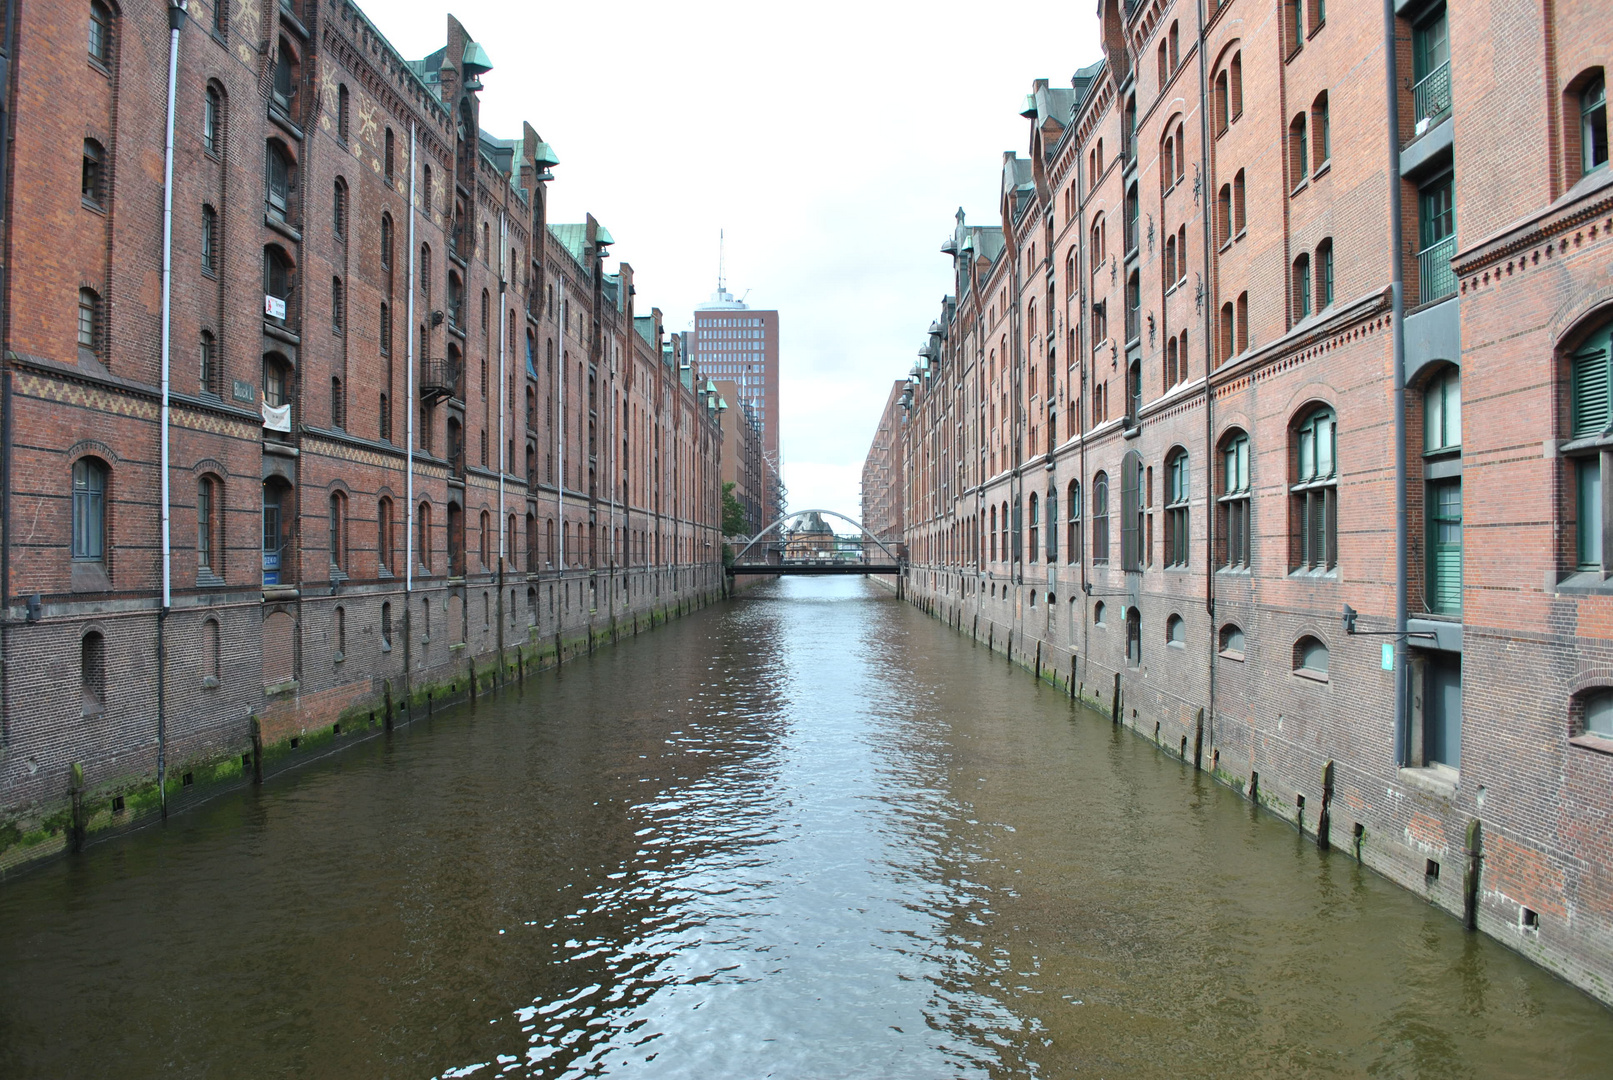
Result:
[[832, 142]]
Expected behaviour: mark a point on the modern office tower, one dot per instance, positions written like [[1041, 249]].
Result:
[[734, 342]]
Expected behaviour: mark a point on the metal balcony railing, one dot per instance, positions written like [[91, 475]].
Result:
[[437, 379], [1133, 324], [1436, 279], [1432, 95]]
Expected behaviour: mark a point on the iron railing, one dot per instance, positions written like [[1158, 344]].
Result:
[[1432, 95], [1435, 278]]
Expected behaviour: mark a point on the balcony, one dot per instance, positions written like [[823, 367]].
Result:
[[438, 379], [1435, 278], [1431, 97]]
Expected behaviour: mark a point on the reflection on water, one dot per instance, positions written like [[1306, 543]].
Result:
[[811, 833]]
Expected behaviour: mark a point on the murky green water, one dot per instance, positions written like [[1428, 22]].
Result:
[[809, 834]]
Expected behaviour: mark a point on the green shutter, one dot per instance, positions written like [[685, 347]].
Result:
[[1445, 579], [1590, 390]]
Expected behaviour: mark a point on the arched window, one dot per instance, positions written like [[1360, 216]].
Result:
[[456, 300], [1232, 502], [100, 33], [1175, 631], [1035, 527], [386, 247], [422, 540], [992, 541], [386, 626], [212, 642], [92, 672], [209, 240], [1310, 658], [1593, 125], [1321, 131], [386, 329], [338, 635], [338, 208], [285, 77], [89, 509], [1243, 322], [1324, 275], [1170, 264], [549, 539], [208, 371], [1002, 523], [1170, 362], [1052, 524], [1167, 162], [1229, 341], [1240, 204], [1231, 641], [343, 111], [93, 184], [1181, 154], [1302, 287], [389, 159], [1100, 519], [1235, 82], [383, 534], [277, 380], [1223, 106], [209, 521], [278, 281], [1298, 151], [1176, 52], [338, 306], [483, 548], [1223, 218], [1181, 255], [1177, 493], [90, 336], [337, 521], [1072, 553], [1595, 708], [1134, 637], [1442, 411], [213, 119], [1314, 493], [425, 270], [1100, 614], [277, 518]]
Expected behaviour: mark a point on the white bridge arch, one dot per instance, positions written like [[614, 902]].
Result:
[[792, 515]]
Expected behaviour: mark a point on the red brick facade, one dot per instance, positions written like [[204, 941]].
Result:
[[564, 474], [1154, 442]]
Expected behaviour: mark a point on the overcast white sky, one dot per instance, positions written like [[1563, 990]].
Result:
[[833, 142]]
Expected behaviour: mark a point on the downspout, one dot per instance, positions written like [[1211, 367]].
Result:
[[1214, 641], [1084, 270], [176, 20], [560, 436], [7, 171], [408, 420], [503, 406], [1398, 316]]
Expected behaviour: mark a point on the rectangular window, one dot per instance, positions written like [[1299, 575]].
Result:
[[1445, 547], [1431, 68], [1588, 484]]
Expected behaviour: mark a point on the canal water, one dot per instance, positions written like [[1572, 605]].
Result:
[[811, 833]]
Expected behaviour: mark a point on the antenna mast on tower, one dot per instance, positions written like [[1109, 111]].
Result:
[[720, 242]]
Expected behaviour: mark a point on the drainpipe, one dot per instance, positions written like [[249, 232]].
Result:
[[503, 405], [560, 436], [1398, 316], [176, 20], [1214, 643], [408, 422], [1083, 354]]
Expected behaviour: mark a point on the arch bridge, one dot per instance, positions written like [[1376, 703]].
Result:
[[815, 552]]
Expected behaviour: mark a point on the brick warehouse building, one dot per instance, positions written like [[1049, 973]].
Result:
[[883, 470], [1198, 394], [563, 480]]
